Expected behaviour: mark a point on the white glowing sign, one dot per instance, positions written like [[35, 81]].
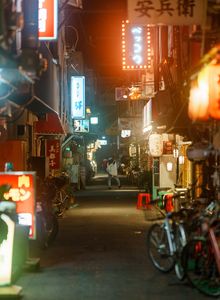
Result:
[[125, 133], [136, 46], [137, 34], [103, 142], [6, 252], [78, 97], [47, 19], [94, 120]]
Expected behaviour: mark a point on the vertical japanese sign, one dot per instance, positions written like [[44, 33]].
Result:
[[78, 97], [22, 191], [168, 12], [53, 153], [48, 10]]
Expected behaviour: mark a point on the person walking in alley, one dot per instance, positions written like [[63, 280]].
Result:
[[112, 171]]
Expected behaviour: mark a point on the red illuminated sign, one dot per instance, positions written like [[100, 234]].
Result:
[[53, 153], [22, 191], [136, 46], [48, 19]]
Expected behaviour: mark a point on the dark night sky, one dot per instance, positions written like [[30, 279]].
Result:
[[100, 36]]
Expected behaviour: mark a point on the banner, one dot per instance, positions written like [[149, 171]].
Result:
[[53, 153], [167, 12]]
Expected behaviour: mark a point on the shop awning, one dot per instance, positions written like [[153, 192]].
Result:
[[50, 125], [38, 106], [49, 122]]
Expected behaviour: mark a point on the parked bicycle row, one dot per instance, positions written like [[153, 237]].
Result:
[[188, 240]]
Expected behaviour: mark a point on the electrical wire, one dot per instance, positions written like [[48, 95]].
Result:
[[77, 37]]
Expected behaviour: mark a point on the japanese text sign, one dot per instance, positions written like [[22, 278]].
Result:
[[53, 153], [78, 97], [167, 12], [48, 19], [22, 191]]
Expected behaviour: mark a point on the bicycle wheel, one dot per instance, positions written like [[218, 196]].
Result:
[[41, 232], [59, 204], [180, 241], [200, 267], [52, 227], [158, 248]]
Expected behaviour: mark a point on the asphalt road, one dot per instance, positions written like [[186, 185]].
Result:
[[100, 254]]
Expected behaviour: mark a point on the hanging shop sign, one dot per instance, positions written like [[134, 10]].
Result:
[[171, 12], [94, 120], [22, 192], [137, 51], [78, 97], [121, 94], [47, 25], [53, 153], [81, 125], [147, 116], [156, 145]]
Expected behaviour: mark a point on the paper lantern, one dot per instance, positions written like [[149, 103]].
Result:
[[214, 91], [156, 145]]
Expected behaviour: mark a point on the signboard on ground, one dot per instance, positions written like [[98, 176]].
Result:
[[22, 191]]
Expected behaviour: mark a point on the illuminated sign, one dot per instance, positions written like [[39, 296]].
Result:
[[47, 26], [125, 133], [137, 50], [94, 120], [22, 191], [172, 12], [103, 142], [81, 125], [78, 97], [6, 252], [121, 93], [53, 153]]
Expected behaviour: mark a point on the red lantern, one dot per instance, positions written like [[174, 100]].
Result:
[[214, 91], [198, 105], [199, 98], [204, 102]]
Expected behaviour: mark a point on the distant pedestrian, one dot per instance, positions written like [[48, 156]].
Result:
[[112, 171], [104, 164]]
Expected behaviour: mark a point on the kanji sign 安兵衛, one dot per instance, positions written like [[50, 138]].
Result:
[[167, 12]]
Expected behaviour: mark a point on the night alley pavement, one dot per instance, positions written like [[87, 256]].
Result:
[[100, 253]]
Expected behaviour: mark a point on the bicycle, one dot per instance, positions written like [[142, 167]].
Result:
[[46, 220], [165, 242], [201, 255], [62, 194]]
